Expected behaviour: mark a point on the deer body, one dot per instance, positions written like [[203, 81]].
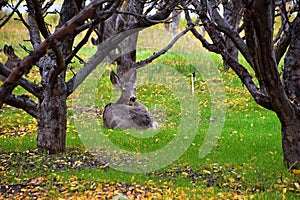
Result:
[[127, 112]]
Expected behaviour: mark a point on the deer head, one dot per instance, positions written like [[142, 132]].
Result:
[[12, 58], [127, 84]]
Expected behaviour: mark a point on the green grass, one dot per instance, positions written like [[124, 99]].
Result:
[[247, 159]]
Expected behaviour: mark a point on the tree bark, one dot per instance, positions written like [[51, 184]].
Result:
[[291, 78], [291, 70], [291, 143], [52, 118]]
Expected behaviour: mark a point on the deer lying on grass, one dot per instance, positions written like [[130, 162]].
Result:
[[12, 59], [127, 112]]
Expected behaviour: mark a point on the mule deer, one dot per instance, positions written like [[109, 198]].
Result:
[[12, 59], [127, 112]]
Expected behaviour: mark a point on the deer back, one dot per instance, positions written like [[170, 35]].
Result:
[[121, 116]]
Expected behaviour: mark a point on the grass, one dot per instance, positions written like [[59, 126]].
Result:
[[246, 162]]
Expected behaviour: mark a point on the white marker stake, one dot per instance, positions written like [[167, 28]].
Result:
[[193, 75]]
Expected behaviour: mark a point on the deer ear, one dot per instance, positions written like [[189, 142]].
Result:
[[114, 78]]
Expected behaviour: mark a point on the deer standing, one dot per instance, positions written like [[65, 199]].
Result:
[[12, 59], [127, 112]]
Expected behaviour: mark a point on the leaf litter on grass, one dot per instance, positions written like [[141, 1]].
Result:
[[30, 175]]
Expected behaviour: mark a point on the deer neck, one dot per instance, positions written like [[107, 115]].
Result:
[[122, 101]]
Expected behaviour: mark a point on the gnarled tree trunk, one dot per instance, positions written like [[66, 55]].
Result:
[[52, 118], [291, 77], [291, 142]]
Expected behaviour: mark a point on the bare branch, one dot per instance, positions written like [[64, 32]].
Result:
[[11, 14], [23, 102], [40, 19], [224, 27], [263, 18], [45, 32], [205, 43], [282, 45], [164, 50], [22, 19], [47, 6], [26, 84], [105, 14], [80, 44], [33, 29]]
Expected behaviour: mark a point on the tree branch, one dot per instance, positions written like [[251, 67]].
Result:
[[45, 32], [22, 19], [33, 29], [224, 27], [259, 97], [241, 71], [27, 85], [103, 15], [164, 50], [283, 43], [205, 43], [23, 102], [40, 19], [80, 44], [11, 14]]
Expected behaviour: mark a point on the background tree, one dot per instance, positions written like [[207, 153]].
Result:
[[53, 53], [263, 46]]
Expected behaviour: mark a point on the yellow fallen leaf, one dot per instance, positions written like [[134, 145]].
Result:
[[184, 174], [231, 179], [296, 171], [284, 190], [132, 179]]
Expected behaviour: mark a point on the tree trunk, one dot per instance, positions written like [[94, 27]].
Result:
[[291, 70], [291, 143], [52, 120], [291, 77], [52, 109]]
